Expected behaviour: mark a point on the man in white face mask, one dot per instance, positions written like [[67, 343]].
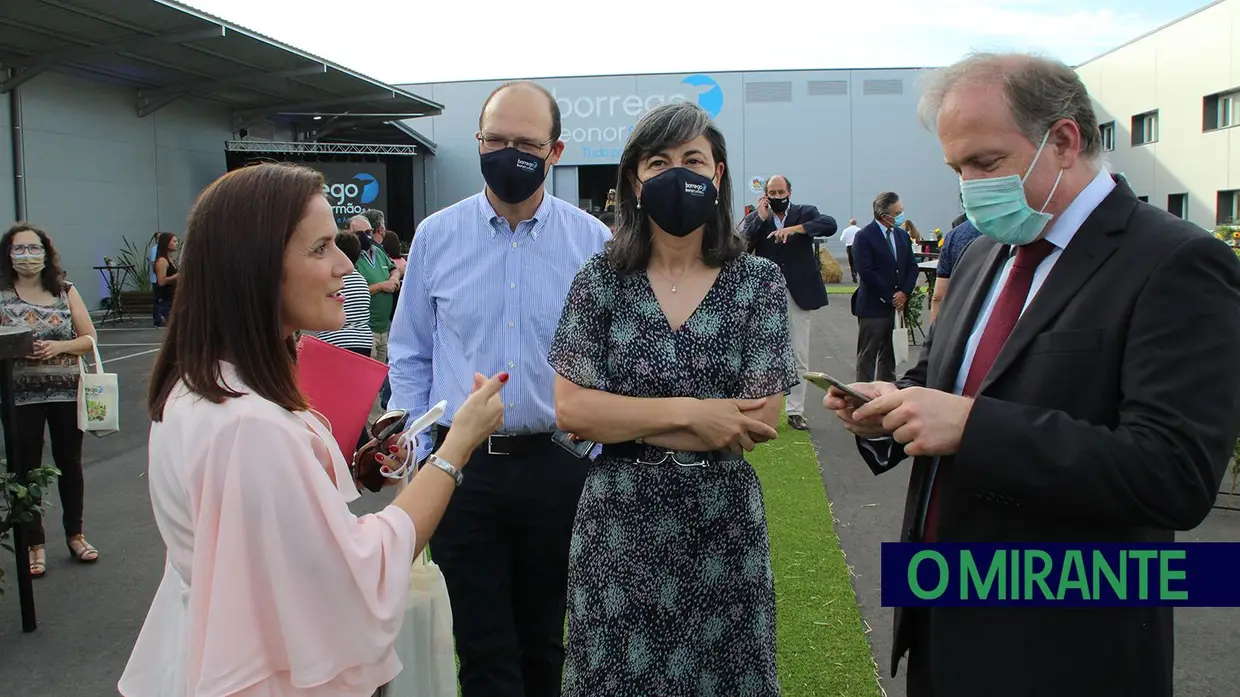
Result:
[[1071, 389]]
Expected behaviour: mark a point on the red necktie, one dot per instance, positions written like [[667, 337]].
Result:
[[999, 326]]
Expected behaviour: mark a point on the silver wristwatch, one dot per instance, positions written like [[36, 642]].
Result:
[[446, 466]]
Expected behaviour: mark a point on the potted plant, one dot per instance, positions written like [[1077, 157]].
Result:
[[136, 293], [19, 501]]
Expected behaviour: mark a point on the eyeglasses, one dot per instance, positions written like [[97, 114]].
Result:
[[27, 249], [491, 143]]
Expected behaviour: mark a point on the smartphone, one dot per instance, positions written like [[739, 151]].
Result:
[[826, 382], [579, 448]]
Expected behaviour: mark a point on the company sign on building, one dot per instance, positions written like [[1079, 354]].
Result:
[[597, 124], [353, 187]]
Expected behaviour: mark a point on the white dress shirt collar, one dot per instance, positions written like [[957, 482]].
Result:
[[1064, 226]]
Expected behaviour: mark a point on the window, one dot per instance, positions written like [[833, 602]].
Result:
[[1145, 128], [1107, 131], [1144, 198], [1220, 110], [1227, 209], [1177, 205]]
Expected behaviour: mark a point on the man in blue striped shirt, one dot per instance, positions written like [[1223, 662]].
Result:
[[485, 285]]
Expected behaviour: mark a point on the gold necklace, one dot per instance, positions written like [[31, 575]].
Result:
[[669, 278]]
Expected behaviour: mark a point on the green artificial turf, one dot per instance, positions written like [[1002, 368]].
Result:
[[822, 647]]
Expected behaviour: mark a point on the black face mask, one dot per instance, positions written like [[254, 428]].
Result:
[[512, 175], [366, 240], [679, 201], [779, 205]]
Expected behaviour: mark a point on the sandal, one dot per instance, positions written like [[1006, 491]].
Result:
[[38, 561], [84, 552]]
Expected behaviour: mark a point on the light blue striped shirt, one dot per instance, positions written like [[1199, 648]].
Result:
[[480, 297]]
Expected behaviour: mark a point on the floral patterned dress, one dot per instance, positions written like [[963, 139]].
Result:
[[670, 590]]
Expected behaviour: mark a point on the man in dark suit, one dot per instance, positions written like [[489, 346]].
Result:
[[784, 232], [1076, 387], [888, 270]]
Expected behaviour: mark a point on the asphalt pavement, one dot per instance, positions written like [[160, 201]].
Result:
[[90, 615]]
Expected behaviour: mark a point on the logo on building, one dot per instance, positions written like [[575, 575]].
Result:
[[351, 198], [709, 94], [369, 186]]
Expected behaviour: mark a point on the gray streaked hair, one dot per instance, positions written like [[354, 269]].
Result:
[[376, 218], [667, 126], [883, 203], [1039, 91]]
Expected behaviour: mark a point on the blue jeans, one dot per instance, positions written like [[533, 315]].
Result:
[[160, 314]]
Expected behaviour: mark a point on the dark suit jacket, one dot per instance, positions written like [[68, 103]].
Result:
[[795, 256], [881, 272], [1109, 416]]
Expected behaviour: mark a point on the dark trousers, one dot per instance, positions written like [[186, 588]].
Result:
[[918, 681], [851, 268], [503, 548], [62, 426], [876, 359]]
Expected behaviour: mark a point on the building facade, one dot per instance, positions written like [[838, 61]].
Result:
[[1168, 104], [98, 178], [840, 136]]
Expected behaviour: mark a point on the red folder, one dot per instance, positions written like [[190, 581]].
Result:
[[341, 385]]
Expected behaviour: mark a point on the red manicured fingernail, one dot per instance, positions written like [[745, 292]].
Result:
[[393, 449], [378, 457], [503, 377]]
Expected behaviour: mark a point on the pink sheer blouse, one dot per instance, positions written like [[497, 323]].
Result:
[[272, 587]]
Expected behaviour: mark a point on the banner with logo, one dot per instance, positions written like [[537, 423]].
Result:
[[353, 187]]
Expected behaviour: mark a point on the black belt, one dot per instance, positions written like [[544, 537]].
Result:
[[500, 444], [652, 454]]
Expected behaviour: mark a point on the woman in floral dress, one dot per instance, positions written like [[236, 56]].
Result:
[[672, 351]]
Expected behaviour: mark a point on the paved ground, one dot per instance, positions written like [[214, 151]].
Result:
[[89, 616]]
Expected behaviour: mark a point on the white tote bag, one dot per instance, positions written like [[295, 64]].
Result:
[[424, 645], [98, 397], [899, 340]]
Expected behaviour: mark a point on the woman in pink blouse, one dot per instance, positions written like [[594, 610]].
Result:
[[272, 587]]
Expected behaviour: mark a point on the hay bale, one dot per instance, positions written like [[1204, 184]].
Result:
[[831, 271]]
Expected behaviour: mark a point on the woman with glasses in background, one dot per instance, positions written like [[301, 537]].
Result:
[[34, 295], [673, 352]]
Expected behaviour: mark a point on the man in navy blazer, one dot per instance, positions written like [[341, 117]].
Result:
[[784, 232], [884, 257]]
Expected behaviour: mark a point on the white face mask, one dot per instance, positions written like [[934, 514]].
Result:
[[408, 441]]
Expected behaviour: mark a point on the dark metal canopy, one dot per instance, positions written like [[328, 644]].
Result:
[[169, 51]]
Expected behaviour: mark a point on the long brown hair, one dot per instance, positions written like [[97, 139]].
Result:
[[227, 304], [163, 240], [52, 277]]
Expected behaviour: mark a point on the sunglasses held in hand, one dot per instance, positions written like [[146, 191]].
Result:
[[367, 471]]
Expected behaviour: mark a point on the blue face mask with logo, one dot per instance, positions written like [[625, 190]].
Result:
[[998, 208]]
